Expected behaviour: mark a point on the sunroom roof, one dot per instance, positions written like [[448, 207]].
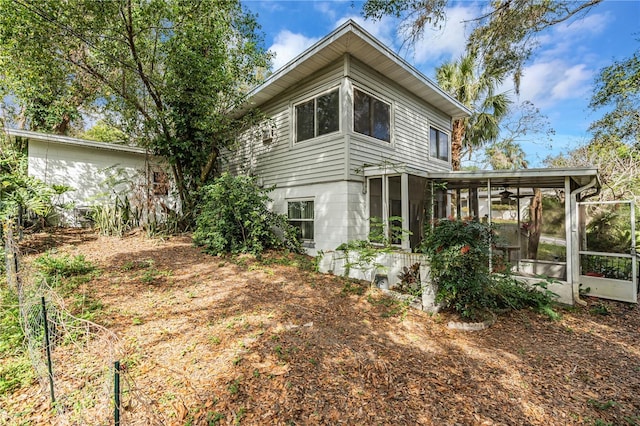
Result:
[[524, 178]]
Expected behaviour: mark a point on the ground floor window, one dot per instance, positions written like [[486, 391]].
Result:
[[301, 215]]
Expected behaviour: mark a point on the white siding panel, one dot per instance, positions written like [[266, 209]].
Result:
[[410, 128], [283, 162], [334, 209], [95, 175]]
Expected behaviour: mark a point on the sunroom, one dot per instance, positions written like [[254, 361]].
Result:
[[564, 243]]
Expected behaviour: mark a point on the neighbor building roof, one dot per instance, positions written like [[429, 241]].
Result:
[[65, 140]]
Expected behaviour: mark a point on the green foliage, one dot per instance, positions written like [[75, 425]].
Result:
[[352, 287], [115, 217], [459, 254], [63, 266], [104, 132], [410, 280], [234, 218], [168, 72], [11, 334], [15, 373], [618, 86], [361, 255], [15, 367], [18, 191]]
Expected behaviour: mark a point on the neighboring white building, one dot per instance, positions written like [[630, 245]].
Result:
[[97, 173]]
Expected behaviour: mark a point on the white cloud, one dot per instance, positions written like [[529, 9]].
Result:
[[590, 25], [383, 30], [575, 82], [570, 38], [450, 41], [287, 45], [545, 83]]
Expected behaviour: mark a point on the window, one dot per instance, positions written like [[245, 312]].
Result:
[[160, 183], [439, 144], [318, 116], [371, 116], [301, 216]]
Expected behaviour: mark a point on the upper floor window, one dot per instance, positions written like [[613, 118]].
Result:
[[371, 116], [439, 144], [318, 116]]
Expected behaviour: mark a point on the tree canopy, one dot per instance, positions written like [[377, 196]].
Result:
[[465, 81], [165, 72], [618, 88], [615, 144], [503, 37]]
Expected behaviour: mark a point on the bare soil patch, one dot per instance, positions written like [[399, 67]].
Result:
[[269, 341]]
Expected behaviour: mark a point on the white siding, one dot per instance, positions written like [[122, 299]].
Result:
[[411, 119], [338, 211], [283, 162], [95, 175], [325, 168]]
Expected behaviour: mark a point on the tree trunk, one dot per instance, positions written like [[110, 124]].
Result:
[[535, 223], [456, 143]]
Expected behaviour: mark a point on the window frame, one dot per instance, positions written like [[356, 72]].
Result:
[[160, 182], [308, 242], [386, 208], [315, 98], [437, 144], [378, 98]]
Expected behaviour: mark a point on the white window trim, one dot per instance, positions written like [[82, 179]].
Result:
[[305, 243], [380, 98], [314, 95], [448, 133], [404, 199]]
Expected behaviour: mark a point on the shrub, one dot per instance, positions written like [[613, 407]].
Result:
[[234, 218], [63, 266], [459, 254]]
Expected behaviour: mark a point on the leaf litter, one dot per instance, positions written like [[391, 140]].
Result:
[[240, 340]]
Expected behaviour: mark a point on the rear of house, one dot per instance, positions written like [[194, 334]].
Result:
[[352, 133]]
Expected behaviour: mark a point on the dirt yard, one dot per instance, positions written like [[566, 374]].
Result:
[[214, 340]]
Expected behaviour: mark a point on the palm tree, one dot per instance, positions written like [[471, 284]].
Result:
[[477, 91]]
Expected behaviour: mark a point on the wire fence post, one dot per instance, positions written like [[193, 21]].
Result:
[[48, 349], [116, 392]]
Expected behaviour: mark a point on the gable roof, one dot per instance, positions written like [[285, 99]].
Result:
[[350, 38], [65, 140]]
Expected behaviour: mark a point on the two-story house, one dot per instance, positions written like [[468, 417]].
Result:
[[353, 132]]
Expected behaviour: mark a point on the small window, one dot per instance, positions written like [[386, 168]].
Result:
[[160, 183], [301, 216], [371, 116], [318, 116], [439, 144]]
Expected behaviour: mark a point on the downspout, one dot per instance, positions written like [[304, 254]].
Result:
[[575, 243]]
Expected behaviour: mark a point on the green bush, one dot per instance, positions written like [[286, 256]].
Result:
[[234, 218], [459, 254], [15, 366], [63, 266]]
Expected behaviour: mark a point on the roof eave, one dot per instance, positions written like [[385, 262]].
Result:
[[262, 93], [65, 140]]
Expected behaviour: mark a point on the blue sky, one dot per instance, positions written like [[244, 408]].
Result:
[[558, 79]]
